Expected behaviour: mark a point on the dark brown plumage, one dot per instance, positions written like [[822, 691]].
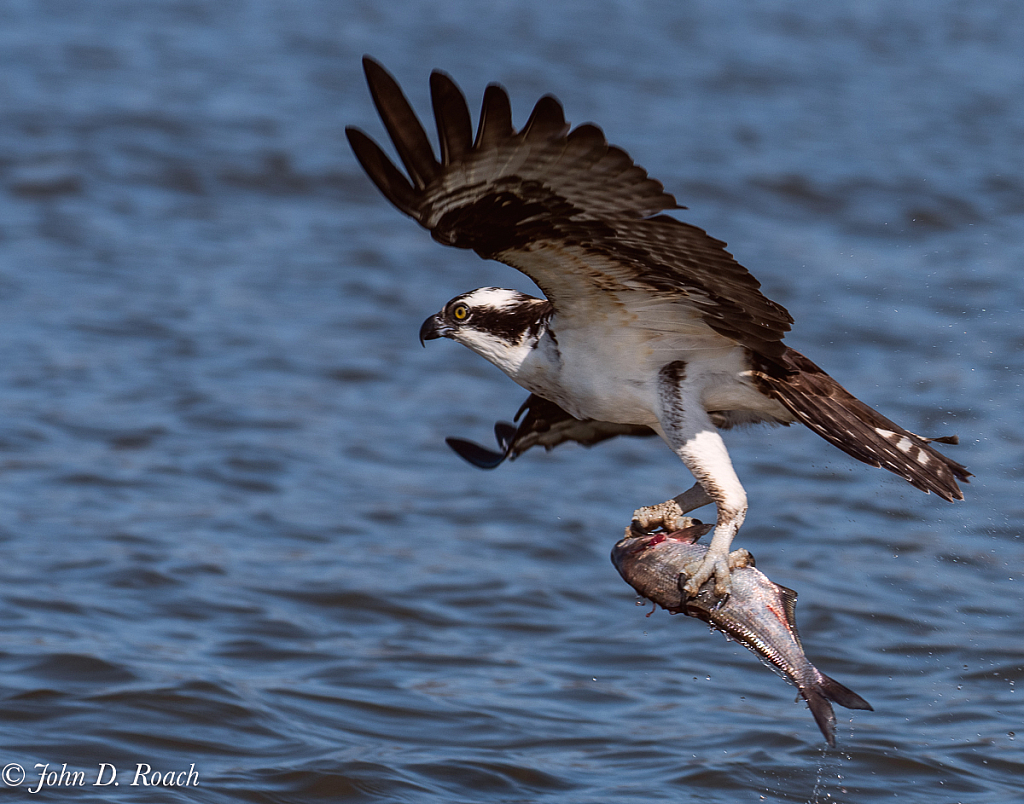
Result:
[[860, 431]]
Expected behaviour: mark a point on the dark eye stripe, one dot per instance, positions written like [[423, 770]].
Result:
[[511, 324]]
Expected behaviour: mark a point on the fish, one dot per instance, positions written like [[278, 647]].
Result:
[[759, 614]]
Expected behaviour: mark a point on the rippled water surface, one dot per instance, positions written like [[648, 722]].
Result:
[[233, 539]]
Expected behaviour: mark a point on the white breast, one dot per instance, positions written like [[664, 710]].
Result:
[[613, 378]]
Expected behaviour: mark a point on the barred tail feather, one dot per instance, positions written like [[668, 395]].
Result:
[[832, 412]]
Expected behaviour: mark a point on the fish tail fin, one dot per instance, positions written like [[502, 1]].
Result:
[[823, 405], [823, 714], [841, 695], [818, 696]]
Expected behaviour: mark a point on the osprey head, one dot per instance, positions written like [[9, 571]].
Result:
[[496, 323]]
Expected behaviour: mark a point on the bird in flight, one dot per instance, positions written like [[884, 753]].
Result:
[[648, 325]]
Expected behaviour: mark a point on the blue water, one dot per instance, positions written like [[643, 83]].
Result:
[[233, 539]]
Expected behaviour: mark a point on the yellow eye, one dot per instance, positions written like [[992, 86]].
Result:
[[460, 312]]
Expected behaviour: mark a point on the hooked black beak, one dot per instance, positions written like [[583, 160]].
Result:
[[431, 329]]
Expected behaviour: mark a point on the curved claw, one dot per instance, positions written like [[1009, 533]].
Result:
[[713, 565], [718, 566]]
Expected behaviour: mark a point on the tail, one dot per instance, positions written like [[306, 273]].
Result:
[[818, 697], [844, 421]]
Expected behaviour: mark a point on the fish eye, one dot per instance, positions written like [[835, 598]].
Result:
[[460, 312]]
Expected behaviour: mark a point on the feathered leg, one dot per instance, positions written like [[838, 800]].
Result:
[[687, 429]]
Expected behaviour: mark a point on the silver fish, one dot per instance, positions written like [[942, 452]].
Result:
[[758, 613]]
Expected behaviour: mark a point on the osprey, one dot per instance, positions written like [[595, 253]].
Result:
[[649, 324]]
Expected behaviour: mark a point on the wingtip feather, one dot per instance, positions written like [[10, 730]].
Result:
[[404, 128], [495, 118], [547, 121], [451, 112], [473, 453], [382, 171]]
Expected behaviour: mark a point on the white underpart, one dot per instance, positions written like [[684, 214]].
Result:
[[510, 358]]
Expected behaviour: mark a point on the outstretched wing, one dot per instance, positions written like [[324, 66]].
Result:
[[570, 211]]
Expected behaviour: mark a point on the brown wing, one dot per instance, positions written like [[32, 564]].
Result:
[[572, 212]]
